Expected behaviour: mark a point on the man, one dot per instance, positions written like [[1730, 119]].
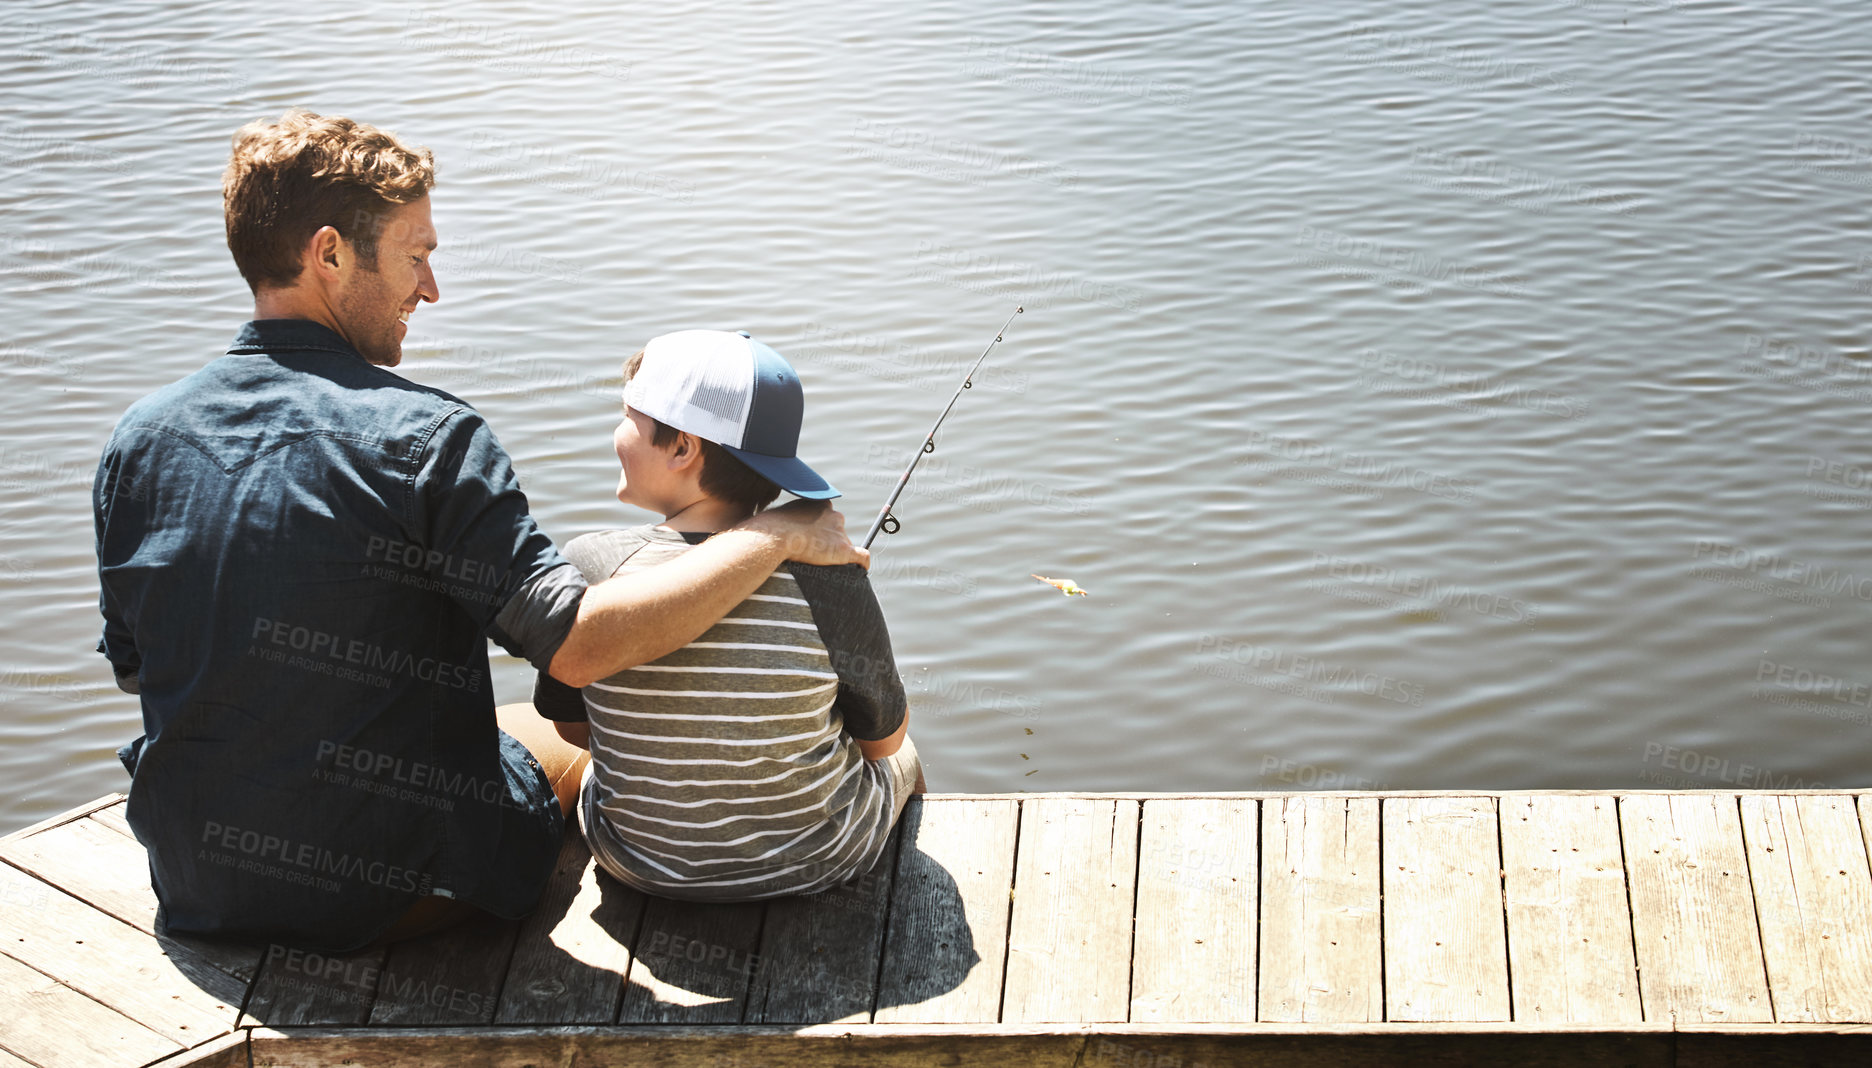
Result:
[[302, 556]]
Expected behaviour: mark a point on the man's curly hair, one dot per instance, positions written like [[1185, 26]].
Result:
[[286, 179]]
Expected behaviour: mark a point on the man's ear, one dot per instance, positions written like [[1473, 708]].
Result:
[[327, 254]]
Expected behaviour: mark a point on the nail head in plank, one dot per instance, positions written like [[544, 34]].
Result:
[[1320, 954], [1445, 949], [54, 1026], [1069, 942], [1813, 900], [1569, 919], [452, 977], [111, 873], [1693, 911], [174, 992], [572, 952], [946, 948], [819, 953], [1194, 958], [693, 962], [299, 987]]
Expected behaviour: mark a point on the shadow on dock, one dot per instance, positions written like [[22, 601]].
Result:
[[596, 952]]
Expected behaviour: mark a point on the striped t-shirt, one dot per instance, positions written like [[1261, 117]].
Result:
[[727, 770]]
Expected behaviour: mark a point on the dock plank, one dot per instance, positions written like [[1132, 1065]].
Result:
[[1569, 922], [110, 872], [946, 947], [229, 1051], [452, 977], [1693, 911], [53, 1026], [79, 856], [1394, 1046], [766, 1046], [1445, 942], [21, 894], [842, 1046], [819, 954], [169, 990], [303, 988], [572, 953], [77, 813], [112, 816], [1320, 954], [1813, 897], [1197, 901], [1069, 939], [693, 962]]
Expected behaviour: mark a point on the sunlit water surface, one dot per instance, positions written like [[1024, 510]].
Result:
[[1428, 394]]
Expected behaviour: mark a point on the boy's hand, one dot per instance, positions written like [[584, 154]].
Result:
[[811, 532]]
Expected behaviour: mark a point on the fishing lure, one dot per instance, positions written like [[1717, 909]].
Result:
[[1065, 586]]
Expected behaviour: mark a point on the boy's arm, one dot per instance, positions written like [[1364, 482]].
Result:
[[883, 747], [636, 618], [563, 705], [578, 734], [871, 698]]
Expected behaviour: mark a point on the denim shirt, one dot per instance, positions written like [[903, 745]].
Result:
[[301, 557]]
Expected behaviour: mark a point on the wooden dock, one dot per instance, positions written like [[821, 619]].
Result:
[[1645, 928]]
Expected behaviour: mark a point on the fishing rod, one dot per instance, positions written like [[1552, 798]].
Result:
[[889, 523]]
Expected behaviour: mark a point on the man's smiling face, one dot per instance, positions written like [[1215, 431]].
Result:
[[374, 305]]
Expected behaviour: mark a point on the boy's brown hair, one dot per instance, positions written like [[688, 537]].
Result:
[[286, 179], [723, 477]]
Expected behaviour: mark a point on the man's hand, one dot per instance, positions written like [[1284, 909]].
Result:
[[811, 532], [632, 619]]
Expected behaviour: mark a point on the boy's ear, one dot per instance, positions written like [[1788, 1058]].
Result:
[[687, 452]]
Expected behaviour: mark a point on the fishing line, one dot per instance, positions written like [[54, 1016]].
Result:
[[889, 523]]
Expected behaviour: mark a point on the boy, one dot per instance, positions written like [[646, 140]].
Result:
[[770, 755]]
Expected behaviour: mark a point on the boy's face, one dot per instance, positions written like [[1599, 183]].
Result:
[[645, 478]]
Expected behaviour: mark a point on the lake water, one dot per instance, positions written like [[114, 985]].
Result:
[[1450, 394]]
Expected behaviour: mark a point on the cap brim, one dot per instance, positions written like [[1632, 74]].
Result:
[[790, 473]]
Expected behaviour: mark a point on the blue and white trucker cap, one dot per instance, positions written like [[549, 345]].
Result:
[[727, 388]]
